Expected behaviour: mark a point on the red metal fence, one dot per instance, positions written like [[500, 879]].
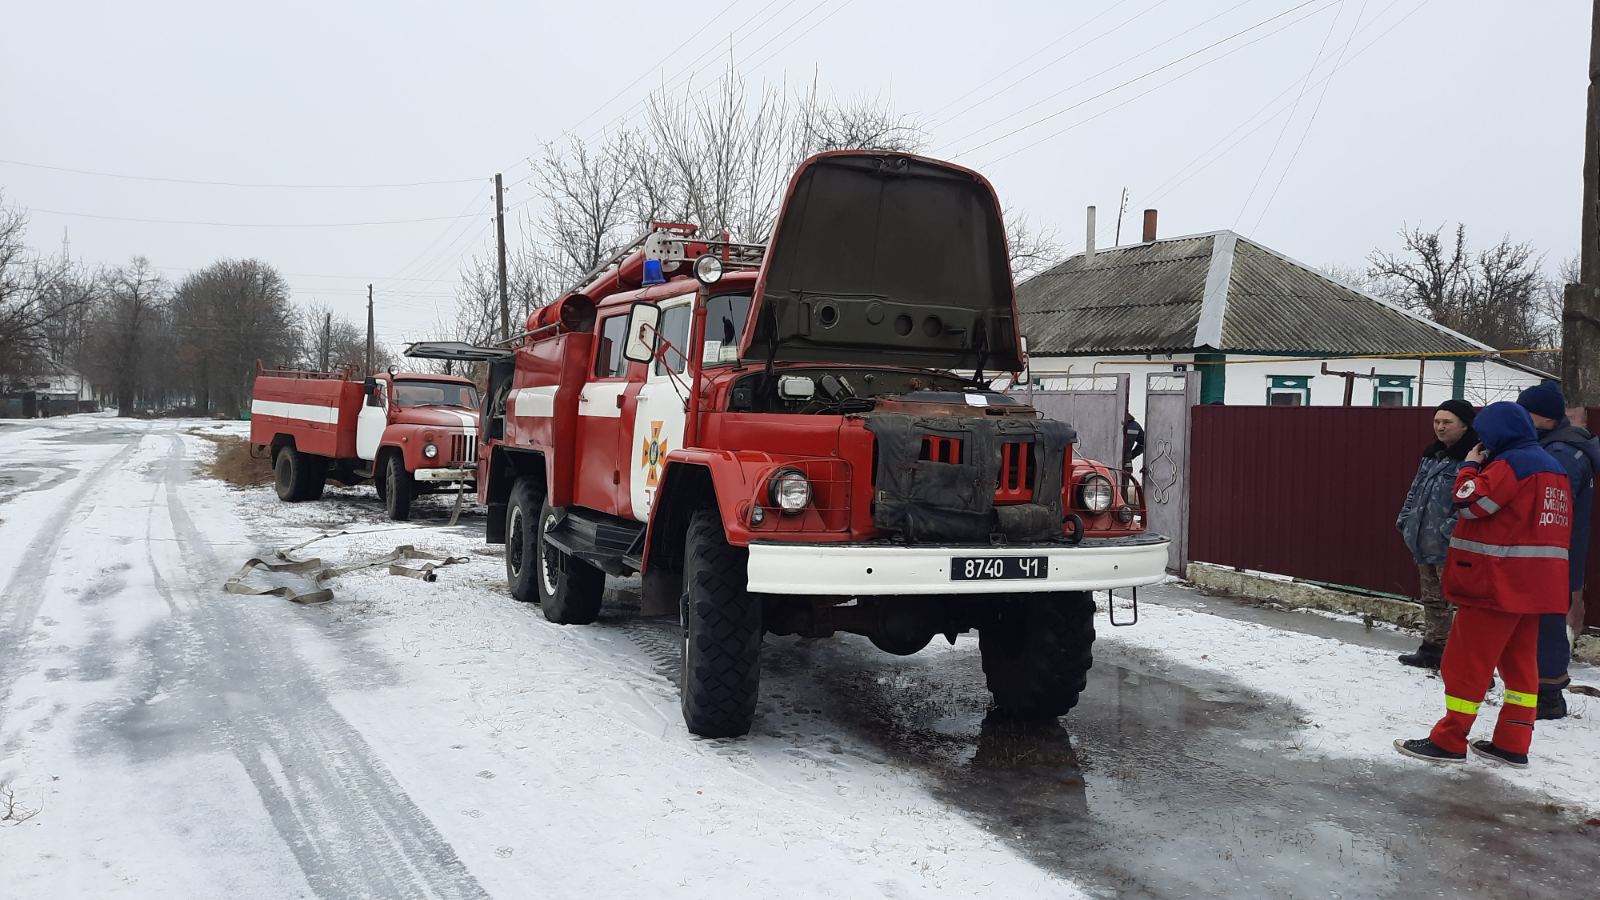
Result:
[[1312, 492]]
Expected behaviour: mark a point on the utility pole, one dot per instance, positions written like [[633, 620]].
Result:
[[500, 239], [370, 346], [1580, 314], [327, 340]]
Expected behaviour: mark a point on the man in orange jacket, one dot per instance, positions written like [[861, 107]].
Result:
[[1507, 565]]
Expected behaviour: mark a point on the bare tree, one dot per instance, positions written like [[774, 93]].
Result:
[[226, 317], [1493, 295], [1032, 250], [123, 331], [44, 303]]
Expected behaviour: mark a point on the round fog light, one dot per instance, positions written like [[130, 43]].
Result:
[[430, 450], [1125, 514], [757, 515], [708, 269]]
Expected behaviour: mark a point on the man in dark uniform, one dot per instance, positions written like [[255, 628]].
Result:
[[1132, 441]]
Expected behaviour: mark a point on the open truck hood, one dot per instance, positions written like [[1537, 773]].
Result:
[[885, 258]]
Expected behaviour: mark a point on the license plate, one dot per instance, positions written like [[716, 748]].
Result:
[[998, 568]]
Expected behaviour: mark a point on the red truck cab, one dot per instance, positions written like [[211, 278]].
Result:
[[800, 438], [406, 433]]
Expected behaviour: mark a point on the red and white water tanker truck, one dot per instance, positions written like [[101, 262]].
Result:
[[406, 433]]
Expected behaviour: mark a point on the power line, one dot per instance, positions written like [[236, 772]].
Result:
[[1023, 61], [232, 184], [83, 215], [1304, 83], [1137, 78], [1101, 36], [1309, 122], [1179, 77]]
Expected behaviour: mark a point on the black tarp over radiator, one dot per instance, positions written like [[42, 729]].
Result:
[[927, 500]]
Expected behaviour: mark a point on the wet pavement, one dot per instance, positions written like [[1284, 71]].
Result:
[[1182, 784], [1177, 783]]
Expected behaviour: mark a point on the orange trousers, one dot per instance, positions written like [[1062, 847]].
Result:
[[1481, 641]]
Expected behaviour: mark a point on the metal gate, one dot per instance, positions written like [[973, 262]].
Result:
[[1164, 469], [1094, 405]]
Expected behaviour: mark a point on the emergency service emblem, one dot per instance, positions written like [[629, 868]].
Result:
[[650, 455], [1466, 489]]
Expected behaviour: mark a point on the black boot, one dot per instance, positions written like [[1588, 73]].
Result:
[[1427, 751], [1427, 656], [1552, 701]]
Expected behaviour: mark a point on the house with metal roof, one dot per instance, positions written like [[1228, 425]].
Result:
[[1258, 326]]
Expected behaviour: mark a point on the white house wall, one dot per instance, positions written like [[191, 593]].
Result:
[[1249, 376]]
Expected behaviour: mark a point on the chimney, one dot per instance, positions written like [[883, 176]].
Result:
[[1088, 241], [1149, 225]]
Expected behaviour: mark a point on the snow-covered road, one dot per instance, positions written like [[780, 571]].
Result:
[[439, 740]]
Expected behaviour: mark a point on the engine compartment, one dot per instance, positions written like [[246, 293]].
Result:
[[836, 391]]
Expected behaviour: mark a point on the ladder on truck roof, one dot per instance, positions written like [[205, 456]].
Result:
[[670, 243]]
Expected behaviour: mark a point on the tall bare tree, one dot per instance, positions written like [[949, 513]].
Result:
[[124, 330], [1492, 295], [44, 303], [226, 317]]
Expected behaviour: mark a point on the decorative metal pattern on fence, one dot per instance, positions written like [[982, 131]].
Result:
[[1312, 492]]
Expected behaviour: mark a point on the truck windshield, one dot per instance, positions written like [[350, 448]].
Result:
[[435, 393], [725, 317]]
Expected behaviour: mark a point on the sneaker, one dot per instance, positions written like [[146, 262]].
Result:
[[1427, 656], [1488, 750], [1552, 702], [1426, 750]]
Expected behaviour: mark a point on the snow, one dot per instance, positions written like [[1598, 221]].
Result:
[[439, 739], [1357, 700]]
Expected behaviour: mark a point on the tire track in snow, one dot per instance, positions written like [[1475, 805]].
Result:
[[24, 593], [351, 827]]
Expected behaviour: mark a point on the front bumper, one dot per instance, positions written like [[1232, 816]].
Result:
[[450, 475], [854, 570]]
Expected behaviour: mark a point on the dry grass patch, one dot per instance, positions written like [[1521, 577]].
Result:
[[234, 463]]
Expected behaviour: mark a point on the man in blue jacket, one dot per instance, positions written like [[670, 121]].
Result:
[[1579, 453]]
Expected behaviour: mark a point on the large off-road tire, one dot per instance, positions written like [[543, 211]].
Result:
[[398, 487], [721, 671], [298, 476], [378, 484], [522, 540], [570, 589], [1037, 653]]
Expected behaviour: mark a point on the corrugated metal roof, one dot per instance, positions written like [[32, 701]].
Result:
[[1278, 306], [1150, 298], [1140, 298]]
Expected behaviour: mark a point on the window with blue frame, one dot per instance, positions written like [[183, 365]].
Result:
[[1288, 390], [1392, 390]]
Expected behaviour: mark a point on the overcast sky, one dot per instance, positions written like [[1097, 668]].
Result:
[[1435, 111]]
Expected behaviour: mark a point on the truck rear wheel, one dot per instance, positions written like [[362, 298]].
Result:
[[398, 487], [298, 476], [721, 671], [522, 540], [570, 589], [1037, 653]]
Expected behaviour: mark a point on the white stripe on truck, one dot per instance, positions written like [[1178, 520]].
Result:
[[307, 412], [533, 401]]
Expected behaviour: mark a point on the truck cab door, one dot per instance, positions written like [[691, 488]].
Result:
[[372, 420], [660, 408]]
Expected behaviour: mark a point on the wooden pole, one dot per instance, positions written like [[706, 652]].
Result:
[[500, 239], [1580, 315], [370, 339]]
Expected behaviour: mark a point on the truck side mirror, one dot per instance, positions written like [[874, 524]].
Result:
[[369, 388], [642, 322]]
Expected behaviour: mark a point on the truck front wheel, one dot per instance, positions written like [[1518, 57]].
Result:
[[1037, 653], [398, 487], [721, 671], [570, 589]]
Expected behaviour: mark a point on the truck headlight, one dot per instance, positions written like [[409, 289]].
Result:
[[430, 450], [790, 491], [1095, 494]]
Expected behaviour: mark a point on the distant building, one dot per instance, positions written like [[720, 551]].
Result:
[[1258, 326]]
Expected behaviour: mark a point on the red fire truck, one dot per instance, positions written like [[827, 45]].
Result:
[[407, 433], [800, 439]]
